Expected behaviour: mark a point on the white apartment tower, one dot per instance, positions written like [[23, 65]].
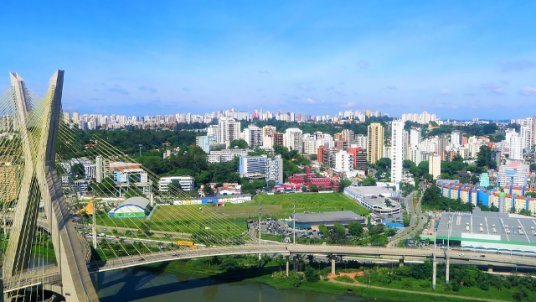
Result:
[[253, 136], [293, 139], [434, 166], [398, 150], [344, 161], [415, 137], [456, 138], [228, 130]]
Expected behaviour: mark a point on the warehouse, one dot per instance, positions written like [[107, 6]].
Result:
[[489, 231], [130, 208], [313, 220]]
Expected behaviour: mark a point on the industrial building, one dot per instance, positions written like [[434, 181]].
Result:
[[489, 231], [313, 220], [130, 208], [187, 183], [373, 198]]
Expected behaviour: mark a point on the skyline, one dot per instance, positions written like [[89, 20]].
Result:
[[460, 61]]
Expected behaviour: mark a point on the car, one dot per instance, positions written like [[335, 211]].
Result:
[[461, 254], [482, 256]]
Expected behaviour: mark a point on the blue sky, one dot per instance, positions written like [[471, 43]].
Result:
[[458, 59]]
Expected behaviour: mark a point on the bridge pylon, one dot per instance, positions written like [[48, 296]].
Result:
[[38, 130]]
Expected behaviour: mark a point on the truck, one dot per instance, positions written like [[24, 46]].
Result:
[[186, 243]]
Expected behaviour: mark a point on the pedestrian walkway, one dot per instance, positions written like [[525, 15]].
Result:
[[415, 292]]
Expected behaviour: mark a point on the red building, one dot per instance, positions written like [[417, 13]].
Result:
[[309, 178], [322, 154]]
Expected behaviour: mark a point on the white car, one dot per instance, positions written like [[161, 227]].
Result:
[[461, 254]]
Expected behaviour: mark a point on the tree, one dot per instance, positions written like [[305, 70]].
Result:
[[323, 229], [77, 171], [343, 184], [336, 234], [369, 181], [484, 158], [355, 228], [384, 163], [388, 202], [311, 275], [240, 143]]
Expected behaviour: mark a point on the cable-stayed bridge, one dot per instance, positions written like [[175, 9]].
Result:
[[50, 249]]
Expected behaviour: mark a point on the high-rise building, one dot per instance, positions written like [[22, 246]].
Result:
[[274, 169], [252, 166], [415, 137], [376, 139], [76, 117], [348, 136], [398, 150], [344, 161], [322, 155], [434, 166], [253, 136], [534, 130], [268, 130], [360, 141], [293, 139], [456, 138], [228, 129]]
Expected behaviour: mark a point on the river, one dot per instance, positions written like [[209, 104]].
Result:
[[142, 286]]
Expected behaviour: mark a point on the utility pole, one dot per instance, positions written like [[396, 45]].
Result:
[[260, 230], [294, 221], [94, 226], [434, 264], [140, 148], [260, 220], [447, 273]]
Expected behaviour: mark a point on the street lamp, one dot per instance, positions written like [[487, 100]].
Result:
[[447, 273], [140, 148]]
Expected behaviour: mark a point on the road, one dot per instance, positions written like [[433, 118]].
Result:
[[472, 258], [415, 223]]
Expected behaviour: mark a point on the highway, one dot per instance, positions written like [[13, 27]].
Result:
[[50, 275]]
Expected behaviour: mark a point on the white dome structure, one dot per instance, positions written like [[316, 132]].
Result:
[[130, 208]]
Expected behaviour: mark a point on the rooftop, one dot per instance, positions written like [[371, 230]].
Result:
[[327, 217], [489, 227]]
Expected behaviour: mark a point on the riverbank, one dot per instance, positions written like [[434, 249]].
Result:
[[246, 270]]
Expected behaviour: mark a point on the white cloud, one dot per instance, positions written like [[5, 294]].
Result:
[[493, 88], [528, 91], [445, 91], [347, 105]]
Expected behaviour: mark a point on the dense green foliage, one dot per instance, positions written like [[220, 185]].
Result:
[[357, 127], [470, 130], [484, 158], [433, 200]]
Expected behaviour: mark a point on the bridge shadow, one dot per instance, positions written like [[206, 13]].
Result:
[[147, 281]]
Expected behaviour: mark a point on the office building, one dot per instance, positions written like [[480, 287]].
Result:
[[252, 166]]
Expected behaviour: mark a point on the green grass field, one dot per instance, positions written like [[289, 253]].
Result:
[[230, 220], [312, 202]]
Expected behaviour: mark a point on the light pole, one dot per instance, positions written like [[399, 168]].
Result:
[[260, 230], [140, 148], [294, 222], [447, 273]]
